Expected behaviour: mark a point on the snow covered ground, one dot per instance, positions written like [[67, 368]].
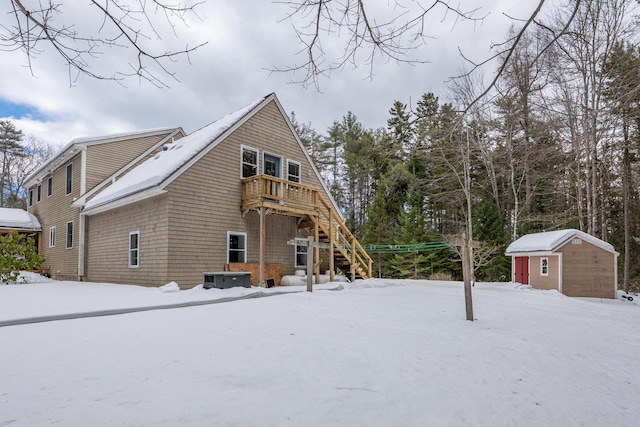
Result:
[[371, 353]]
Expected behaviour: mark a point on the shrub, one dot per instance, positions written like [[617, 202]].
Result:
[[17, 252]]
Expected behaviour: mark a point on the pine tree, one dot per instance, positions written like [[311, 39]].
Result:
[[10, 147]]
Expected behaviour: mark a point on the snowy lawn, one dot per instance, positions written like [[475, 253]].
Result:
[[377, 353]]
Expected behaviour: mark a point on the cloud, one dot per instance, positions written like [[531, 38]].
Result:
[[245, 39]]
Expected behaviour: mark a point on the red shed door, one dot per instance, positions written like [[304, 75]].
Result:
[[522, 270]]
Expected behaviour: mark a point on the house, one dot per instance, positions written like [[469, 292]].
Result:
[[58, 189], [571, 261], [21, 221], [232, 195]]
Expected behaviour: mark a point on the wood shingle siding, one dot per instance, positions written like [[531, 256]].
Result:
[[589, 269], [108, 243], [104, 159], [56, 210]]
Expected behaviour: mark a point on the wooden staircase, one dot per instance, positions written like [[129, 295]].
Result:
[[315, 214]]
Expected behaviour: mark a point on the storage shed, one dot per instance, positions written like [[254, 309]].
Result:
[[571, 261]]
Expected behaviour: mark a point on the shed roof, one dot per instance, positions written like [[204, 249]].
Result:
[[18, 219], [157, 169], [552, 240]]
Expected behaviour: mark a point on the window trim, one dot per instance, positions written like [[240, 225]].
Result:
[[135, 250], [52, 236], [296, 253], [69, 179], [69, 235], [293, 162], [39, 193], [544, 267], [242, 163], [50, 186], [244, 250]]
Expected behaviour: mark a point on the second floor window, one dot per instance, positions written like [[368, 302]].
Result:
[[50, 186], [249, 162], [30, 197], [293, 171], [39, 197], [69, 181]]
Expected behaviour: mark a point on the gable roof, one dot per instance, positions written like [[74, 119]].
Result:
[[552, 240], [149, 178], [163, 165], [71, 149], [18, 219]]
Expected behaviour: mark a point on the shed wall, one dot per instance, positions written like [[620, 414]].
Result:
[[550, 281], [588, 271]]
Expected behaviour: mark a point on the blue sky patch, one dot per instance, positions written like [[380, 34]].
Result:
[[19, 111]]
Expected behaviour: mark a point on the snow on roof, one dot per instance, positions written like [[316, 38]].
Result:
[[91, 141], [158, 168], [18, 219], [552, 240]]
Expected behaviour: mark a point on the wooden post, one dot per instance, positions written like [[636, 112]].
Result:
[[332, 233], [263, 243], [316, 251], [310, 262], [353, 261]]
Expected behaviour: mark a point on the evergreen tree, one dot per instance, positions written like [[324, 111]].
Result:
[[10, 147]]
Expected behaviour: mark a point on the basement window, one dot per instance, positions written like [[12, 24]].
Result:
[[236, 247], [301, 255], [544, 266]]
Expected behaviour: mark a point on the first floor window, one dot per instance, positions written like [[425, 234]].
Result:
[[544, 266], [52, 237], [70, 235], [134, 249], [249, 162], [301, 255], [236, 247]]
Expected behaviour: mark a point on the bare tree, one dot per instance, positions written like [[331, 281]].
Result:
[[19, 167], [131, 28], [395, 33]]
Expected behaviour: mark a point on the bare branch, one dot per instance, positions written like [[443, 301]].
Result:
[[363, 39], [124, 27]]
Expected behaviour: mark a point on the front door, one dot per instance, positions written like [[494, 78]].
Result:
[[271, 166], [522, 270]]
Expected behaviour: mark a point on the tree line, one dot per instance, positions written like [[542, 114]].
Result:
[[554, 145]]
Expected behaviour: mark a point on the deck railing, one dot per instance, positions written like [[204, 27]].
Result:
[[289, 196]]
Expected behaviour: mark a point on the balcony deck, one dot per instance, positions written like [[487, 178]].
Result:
[[306, 202]]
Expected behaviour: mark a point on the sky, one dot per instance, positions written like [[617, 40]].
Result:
[[246, 40], [378, 352]]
